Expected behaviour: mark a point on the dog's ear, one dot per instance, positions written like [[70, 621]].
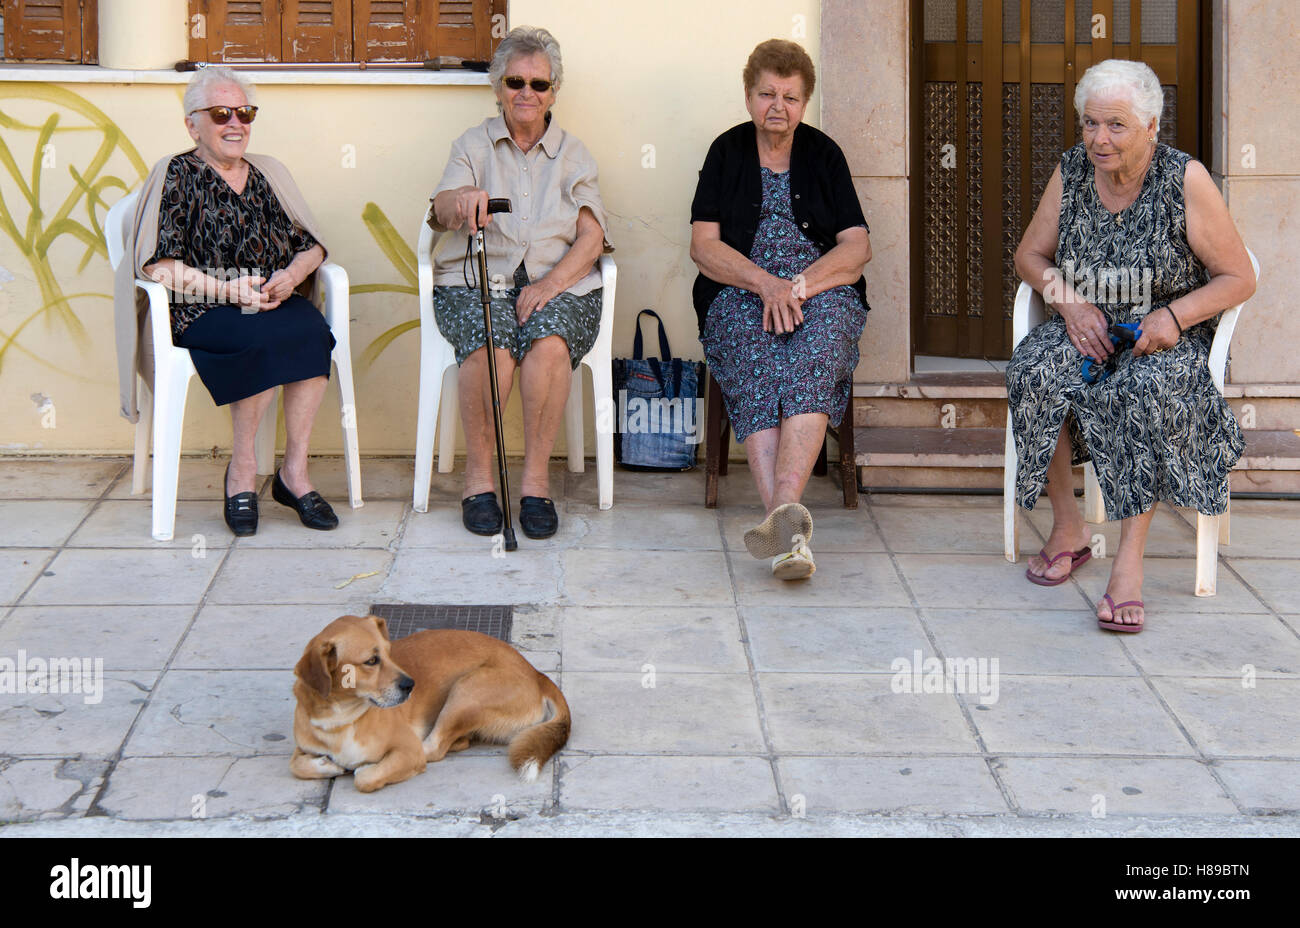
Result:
[[381, 625], [316, 666]]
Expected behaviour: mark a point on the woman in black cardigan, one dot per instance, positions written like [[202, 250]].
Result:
[[780, 241]]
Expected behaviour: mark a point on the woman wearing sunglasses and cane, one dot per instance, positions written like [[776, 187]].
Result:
[[228, 233], [541, 257]]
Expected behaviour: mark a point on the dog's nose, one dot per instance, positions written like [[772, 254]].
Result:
[[405, 684]]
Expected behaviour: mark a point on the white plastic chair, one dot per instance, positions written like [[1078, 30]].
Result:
[[439, 386], [1211, 531], [162, 405]]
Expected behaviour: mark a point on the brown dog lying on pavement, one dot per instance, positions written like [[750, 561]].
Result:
[[383, 709]]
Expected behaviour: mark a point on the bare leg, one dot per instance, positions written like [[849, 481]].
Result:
[[781, 459], [476, 416], [246, 416], [302, 400], [801, 442], [761, 450], [1126, 572], [1069, 531], [544, 379]]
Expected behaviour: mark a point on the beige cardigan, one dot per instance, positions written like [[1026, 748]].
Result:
[[131, 305]]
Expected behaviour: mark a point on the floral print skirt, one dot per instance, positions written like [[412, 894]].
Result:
[[766, 377], [459, 313]]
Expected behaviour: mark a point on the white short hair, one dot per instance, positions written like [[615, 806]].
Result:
[[1117, 77], [525, 41], [206, 79]]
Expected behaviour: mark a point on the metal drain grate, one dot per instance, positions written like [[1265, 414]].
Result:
[[407, 618]]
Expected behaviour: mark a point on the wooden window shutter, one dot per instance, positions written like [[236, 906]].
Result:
[[45, 30], [340, 30], [459, 28], [385, 30], [90, 32], [236, 30], [317, 30]]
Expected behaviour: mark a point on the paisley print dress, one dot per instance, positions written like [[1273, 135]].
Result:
[[1156, 428], [766, 377]]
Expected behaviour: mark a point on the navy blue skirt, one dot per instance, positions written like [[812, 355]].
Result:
[[238, 355]]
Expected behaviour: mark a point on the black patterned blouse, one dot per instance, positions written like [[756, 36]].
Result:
[[203, 223]]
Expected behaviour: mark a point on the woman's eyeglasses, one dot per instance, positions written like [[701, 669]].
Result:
[[538, 85], [221, 114]]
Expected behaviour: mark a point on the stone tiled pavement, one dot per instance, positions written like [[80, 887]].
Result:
[[703, 691]]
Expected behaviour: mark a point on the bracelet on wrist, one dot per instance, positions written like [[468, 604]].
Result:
[[1175, 318]]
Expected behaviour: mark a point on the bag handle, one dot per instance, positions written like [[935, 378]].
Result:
[[665, 353]]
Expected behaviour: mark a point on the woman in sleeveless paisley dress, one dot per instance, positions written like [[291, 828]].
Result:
[[1128, 231]]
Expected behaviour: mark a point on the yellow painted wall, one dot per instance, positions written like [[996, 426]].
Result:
[[665, 75]]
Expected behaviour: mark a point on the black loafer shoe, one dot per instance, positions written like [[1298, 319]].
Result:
[[240, 510], [481, 513], [537, 517], [311, 507]]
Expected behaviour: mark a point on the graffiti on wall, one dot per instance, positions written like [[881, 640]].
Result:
[[402, 256], [49, 196]]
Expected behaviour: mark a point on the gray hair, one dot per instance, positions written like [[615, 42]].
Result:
[[206, 79], [526, 41], [1133, 79]]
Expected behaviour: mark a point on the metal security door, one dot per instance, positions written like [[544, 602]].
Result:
[[1009, 104]]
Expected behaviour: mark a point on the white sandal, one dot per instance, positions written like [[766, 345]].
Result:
[[770, 538], [795, 564]]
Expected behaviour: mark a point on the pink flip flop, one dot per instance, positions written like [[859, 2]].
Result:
[[1080, 557], [1116, 626]]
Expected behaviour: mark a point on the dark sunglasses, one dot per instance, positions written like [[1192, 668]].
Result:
[[221, 114], [538, 85]]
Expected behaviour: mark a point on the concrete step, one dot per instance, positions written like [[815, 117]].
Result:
[[1265, 412], [979, 400], [946, 412], [929, 447], [973, 458]]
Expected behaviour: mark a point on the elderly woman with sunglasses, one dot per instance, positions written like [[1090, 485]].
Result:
[[229, 234], [541, 256]]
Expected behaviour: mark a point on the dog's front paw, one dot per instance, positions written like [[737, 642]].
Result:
[[314, 767], [368, 778]]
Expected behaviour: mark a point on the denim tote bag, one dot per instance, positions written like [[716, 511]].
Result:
[[660, 413]]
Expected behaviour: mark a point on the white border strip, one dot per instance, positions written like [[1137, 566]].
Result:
[[92, 74]]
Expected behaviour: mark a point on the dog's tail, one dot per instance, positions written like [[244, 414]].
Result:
[[533, 747]]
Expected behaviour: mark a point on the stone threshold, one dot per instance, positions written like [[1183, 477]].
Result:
[[948, 385]]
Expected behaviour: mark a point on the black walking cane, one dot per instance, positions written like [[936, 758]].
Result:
[[498, 205]]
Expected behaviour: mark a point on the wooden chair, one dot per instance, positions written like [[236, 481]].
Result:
[[717, 442]]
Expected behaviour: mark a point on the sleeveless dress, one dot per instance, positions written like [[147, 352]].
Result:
[[1156, 428], [766, 377]]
